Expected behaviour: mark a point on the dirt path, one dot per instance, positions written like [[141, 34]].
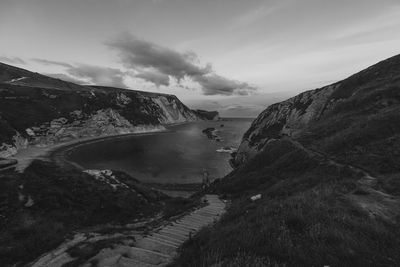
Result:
[[156, 248]]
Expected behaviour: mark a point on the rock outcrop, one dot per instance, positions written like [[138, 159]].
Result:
[[39, 110], [285, 118]]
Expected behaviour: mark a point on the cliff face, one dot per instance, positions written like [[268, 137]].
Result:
[[207, 115], [285, 118], [330, 116], [39, 110]]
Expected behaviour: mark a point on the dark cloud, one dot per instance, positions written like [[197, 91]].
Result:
[[51, 62], [154, 76], [98, 75], [65, 77], [12, 60], [156, 63], [136, 53], [214, 84]]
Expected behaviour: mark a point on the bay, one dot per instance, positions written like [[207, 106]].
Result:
[[179, 155]]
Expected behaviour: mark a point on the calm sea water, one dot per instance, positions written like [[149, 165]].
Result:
[[177, 156]]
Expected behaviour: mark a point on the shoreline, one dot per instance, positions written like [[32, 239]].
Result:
[[56, 152], [59, 155]]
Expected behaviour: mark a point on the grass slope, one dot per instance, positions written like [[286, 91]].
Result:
[[306, 217], [42, 206]]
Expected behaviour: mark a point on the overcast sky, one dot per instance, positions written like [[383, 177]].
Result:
[[233, 55]]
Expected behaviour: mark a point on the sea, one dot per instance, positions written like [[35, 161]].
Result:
[[178, 156]]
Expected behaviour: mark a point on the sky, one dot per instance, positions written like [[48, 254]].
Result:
[[234, 56]]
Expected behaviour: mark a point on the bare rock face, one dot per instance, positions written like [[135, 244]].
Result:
[[173, 111], [10, 149], [285, 118], [207, 115]]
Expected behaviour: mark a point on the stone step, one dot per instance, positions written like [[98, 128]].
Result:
[[179, 241], [190, 224], [199, 221], [214, 205], [173, 234], [153, 239], [197, 217], [169, 231], [184, 232], [160, 246], [163, 240], [214, 201], [195, 223], [213, 209], [212, 213], [204, 210], [188, 227], [178, 230], [207, 214]]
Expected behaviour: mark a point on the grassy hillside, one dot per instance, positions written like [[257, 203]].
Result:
[[329, 181], [42, 206], [307, 216]]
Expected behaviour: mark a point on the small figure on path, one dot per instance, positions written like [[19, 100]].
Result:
[[206, 179]]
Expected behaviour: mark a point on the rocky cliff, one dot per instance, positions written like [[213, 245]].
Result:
[[39, 110], [348, 116], [207, 115]]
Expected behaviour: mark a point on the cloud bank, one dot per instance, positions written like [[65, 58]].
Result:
[[86, 74], [51, 62], [158, 64], [65, 77], [98, 75], [12, 60], [154, 76]]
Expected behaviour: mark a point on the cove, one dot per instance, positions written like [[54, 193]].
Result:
[[178, 156]]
